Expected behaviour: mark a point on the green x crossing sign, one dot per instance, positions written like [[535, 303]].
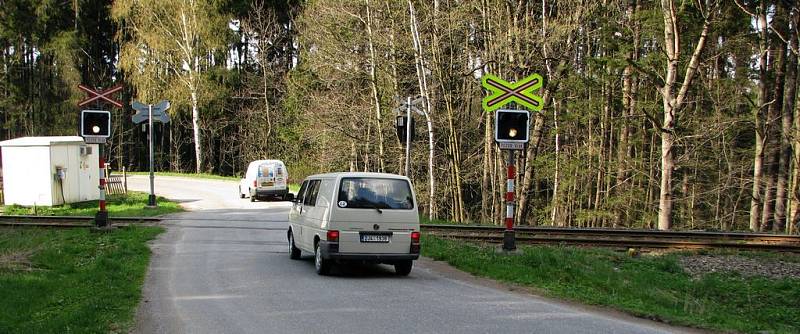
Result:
[[520, 92]]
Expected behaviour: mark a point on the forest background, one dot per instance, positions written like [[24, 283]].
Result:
[[658, 114]]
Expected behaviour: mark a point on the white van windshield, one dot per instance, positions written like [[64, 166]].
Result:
[[371, 193]]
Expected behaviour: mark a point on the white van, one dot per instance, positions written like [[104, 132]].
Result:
[[264, 179], [364, 217]]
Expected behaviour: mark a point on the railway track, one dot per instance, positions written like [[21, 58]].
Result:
[[70, 221], [617, 238]]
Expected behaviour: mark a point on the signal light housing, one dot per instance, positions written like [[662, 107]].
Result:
[[511, 126], [95, 123], [401, 125]]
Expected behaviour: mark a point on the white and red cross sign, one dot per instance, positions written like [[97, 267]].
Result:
[[97, 94]]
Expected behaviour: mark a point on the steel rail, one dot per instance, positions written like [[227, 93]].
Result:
[[620, 243], [615, 232], [622, 238], [68, 221]]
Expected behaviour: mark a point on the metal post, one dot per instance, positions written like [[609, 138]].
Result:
[[124, 181], [101, 219], [408, 134], [509, 239], [151, 200]]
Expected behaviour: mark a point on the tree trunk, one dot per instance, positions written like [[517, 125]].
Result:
[[791, 95], [432, 178], [266, 109], [629, 83], [486, 196], [198, 155], [673, 103], [774, 113], [784, 164], [554, 213], [374, 86], [353, 156], [528, 177], [423, 88], [763, 96]]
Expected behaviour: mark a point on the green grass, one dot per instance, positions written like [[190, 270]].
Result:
[[649, 286], [71, 280], [191, 175], [425, 220], [293, 187], [130, 205]]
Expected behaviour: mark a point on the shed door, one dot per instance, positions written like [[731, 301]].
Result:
[[87, 180]]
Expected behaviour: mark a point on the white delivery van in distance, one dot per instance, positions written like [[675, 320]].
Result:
[[265, 179], [363, 217]]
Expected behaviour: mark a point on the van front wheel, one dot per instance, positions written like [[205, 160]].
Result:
[[323, 266], [403, 268]]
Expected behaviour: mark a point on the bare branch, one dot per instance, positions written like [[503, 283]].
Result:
[[741, 6], [693, 63]]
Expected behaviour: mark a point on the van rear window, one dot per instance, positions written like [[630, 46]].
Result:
[[265, 170], [371, 193]]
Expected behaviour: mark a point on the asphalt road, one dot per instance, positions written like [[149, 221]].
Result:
[[223, 268]]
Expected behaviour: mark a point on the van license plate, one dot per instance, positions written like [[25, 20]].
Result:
[[374, 238], [266, 184]]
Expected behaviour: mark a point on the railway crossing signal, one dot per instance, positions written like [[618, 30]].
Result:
[[100, 95], [95, 128], [405, 124], [511, 130], [520, 92]]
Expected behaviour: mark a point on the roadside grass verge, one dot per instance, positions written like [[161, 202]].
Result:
[[191, 175], [293, 187], [426, 220], [71, 280], [130, 205], [650, 286]]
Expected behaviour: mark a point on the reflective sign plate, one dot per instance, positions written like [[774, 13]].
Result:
[[95, 140], [511, 146]]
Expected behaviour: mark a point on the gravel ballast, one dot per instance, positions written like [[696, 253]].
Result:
[[699, 265]]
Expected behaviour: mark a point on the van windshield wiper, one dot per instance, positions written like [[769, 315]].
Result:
[[375, 206]]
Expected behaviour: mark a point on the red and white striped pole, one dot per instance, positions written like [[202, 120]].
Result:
[[509, 238], [101, 219], [102, 184]]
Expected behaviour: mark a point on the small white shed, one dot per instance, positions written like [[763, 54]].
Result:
[[49, 171]]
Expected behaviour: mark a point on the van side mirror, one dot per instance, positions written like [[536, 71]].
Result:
[[290, 197]]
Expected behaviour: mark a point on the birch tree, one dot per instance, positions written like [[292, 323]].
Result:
[[427, 109], [175, 37], [673, 100]]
